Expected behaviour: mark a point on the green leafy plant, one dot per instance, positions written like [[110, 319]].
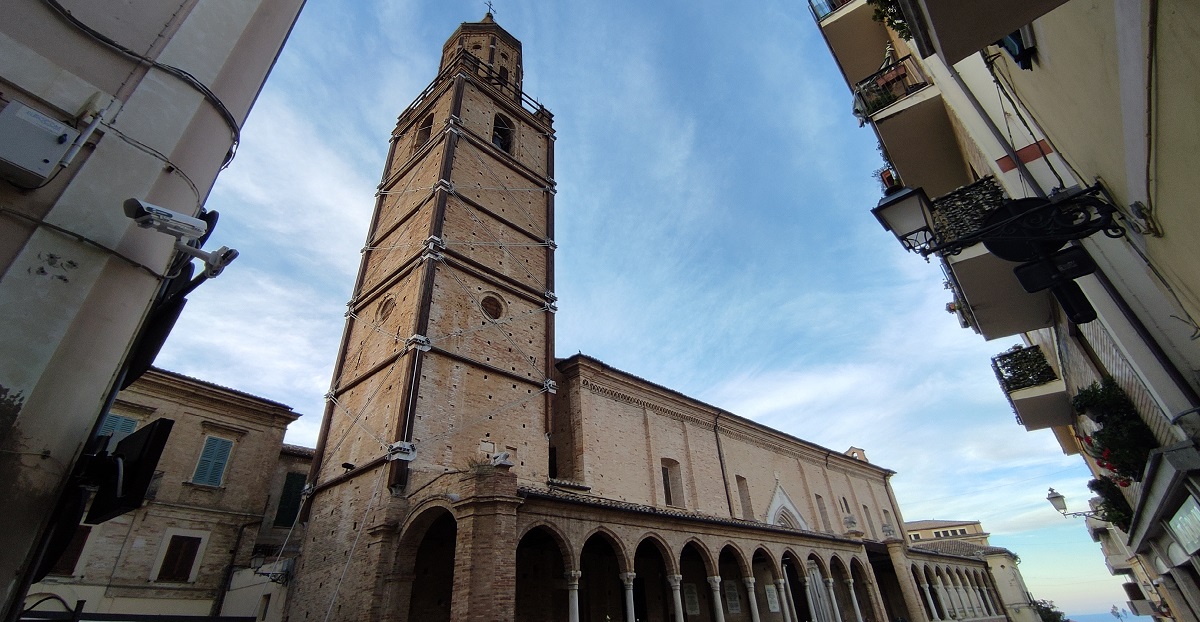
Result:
[[888, 12], [1114, 508], [1123, 443], [1048, 612]]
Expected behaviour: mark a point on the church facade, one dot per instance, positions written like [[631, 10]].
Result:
[[463, 473]]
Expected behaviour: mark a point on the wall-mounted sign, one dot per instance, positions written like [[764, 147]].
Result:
[[733, 600], [691, 599], [772, 598], [1185, 525]]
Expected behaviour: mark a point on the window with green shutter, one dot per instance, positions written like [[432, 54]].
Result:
[[289, 499], [117, 427], [210, 469]]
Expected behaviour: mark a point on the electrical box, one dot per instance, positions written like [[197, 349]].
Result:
[[31, 144]]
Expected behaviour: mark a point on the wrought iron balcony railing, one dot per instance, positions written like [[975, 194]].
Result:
[[822, 8], [1022, 367], [960, 213], [888, 85]]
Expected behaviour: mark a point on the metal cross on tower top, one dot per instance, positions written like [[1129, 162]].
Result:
[[489, 6]]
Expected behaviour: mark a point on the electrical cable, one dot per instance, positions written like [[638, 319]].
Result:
[[160, 156], [362, 526], [187, 78], [1025, 123], [42, 223]]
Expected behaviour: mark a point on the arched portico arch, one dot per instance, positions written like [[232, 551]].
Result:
[[426, 560], [654, 595], [601, 564], [541, 590]]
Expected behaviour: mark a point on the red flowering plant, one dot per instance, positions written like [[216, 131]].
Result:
[[1123, 442]]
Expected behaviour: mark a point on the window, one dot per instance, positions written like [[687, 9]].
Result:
[[845, 505], [503, 78], [179, 560], [289, 499], [870, 522], [1020, 46], [65, 566], [117, 427], [502, 133], [672, 483], [823, 512], [744, 497], [210, 469], [915, 536], [423, 132]]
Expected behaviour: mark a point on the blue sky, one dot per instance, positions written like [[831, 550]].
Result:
[[713, 231]]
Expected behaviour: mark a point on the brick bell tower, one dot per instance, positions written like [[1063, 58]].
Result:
[[447, 354]]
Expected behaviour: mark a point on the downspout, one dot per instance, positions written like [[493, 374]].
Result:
[[721, 458], [995, 131], [219, 601]]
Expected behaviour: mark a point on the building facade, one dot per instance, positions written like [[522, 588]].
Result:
[[993, 109], [463, 473], [100, 103], [925, 530], [220, 498]]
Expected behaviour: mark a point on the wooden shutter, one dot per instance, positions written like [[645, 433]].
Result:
[[211, 467], [178, 561], [289, 499], [65, 566]]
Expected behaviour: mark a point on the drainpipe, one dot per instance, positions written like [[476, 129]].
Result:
[[219, 601], [995, 131]]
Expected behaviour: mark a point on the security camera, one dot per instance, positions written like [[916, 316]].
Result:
[[150, 216]]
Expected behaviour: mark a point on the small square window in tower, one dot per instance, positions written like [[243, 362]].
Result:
[[502, 133]]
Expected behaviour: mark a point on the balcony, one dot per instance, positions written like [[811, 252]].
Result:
[[1038, 397], [954, 29], [887, 86], [998, 304], [856, 40], [822, 8]]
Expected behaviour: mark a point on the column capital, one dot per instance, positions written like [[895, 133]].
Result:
[[850, 582], [829, 582], [714, 582], [749, 582], [627, 578], [572, 577], [674, 580]]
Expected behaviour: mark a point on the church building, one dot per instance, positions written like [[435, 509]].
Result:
[[464, 473]]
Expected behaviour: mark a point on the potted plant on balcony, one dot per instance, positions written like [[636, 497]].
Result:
[[1123, 442], [1113, 508]]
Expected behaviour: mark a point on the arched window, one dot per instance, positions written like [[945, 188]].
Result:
[[502, 133], [503, 77], [423, 132]]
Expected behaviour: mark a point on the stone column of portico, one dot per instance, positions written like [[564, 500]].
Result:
[[837, 611], [808, 598], [676, 599], [962, 601], [718, 606], [573, 595], [944, 597], [753, 598], [627, 578], [933, 612], [785, 600], [987, 607], [970, 604], [908, 586], [854, 600]]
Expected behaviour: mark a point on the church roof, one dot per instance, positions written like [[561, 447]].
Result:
[[962, 548], [936, 524]]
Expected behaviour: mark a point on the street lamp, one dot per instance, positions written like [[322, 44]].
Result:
[[1060, 503], [1030, 231]]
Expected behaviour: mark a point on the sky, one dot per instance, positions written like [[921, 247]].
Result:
[[714, 236]]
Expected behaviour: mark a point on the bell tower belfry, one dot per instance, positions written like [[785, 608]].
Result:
[[447, 354]]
